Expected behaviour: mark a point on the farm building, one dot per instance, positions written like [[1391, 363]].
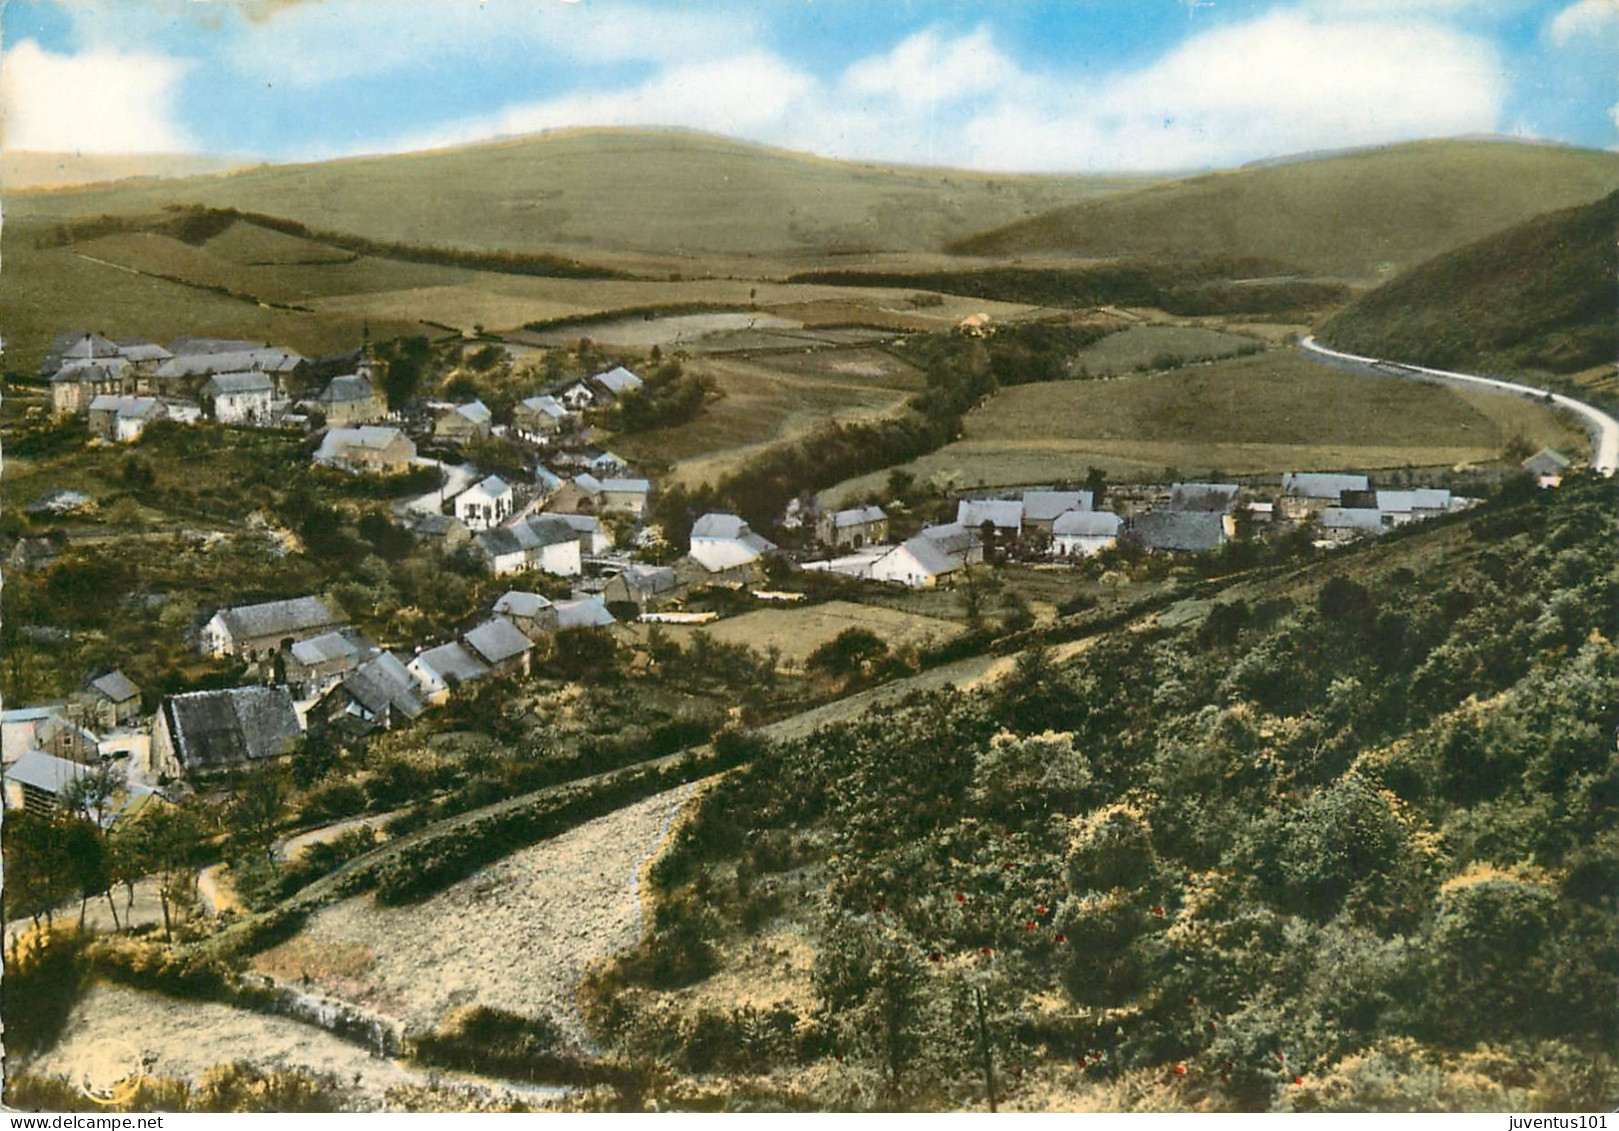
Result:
[[366, 448], [580, 495], [544, 542], [1547, 466], [626, 495], [1041, 508], [201, 733], [584, 612], [1175, 531], [238, 398], [500, 644], [251, 630], [39, 782], [119, 420], [441, 670], [1308, 492], [485, 504], [617, 381], [533, 614], [1005, 515], [351, 399], [195, 360], [377, 695], [313, 665], [919, 562], [1341, 524], [538, 418], [650, 587], [111, 700], [1217, 498], [458, 424], [44, 728], [1401, 507], [76, 345], [78, 383], [852, 528], [1080, 533], [723, 541]]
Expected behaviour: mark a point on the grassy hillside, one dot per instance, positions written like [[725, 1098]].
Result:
[[1538, 297], [639, 190], [1361, 215], [34, 169]]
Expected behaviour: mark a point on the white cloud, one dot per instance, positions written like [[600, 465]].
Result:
[[1587, 21], [928, 70], [97, 101]]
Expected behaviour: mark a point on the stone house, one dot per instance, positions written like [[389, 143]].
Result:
[[203, 733]]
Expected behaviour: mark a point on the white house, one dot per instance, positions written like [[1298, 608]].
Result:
[[627, 495], [119, 420], [238, 398], [438, 671], [539, 417], [577, 397], [919, 562], [1080, 533], [485, 504], [618, 381], [249, 629], [723, 541], [544, 542]]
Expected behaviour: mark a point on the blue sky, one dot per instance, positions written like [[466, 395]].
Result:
[[1028, 85]]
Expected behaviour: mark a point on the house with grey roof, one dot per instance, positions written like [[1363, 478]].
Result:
[[77, 383], [647, 586], [1081, 533], [189, 369], [366, 448], [1219, 498], [539, 418], [721, 542], [1308, 492], [1005, 515], [238, 398], [439, 671], [920, 563], [204, 733], [250, 630], [458, 424], [1548, 466], [1414, 505], [584, 612], [617, 381], [378, 695], [110, 700], [315, 663], [120, 420], [350, 399], [486, 503], [852, 527], [545, 542], [39, 782], [625, 495], [1342, 524], [501, 645], [1175, 531], [1041, 508], [75, 345], [532, 613]]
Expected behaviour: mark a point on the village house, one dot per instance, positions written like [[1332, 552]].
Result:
[[39, 782], [1217, 498], [607, 463], [253, 630], [533, 614], [46, 728], [1342, 524], [626, 496], [920, 563], [445, 531], [1179, 531], [78, 383], [853, 527], [544, 542], [594, 538], [143, 356], [366, 448], [1305, 493], [577, 397], [646, 586], [351, 399], [501, 645], [1548, 466], [583, 612], [110, 701], [76, 345], [1005, 515], [441, 670], [202, 733], [1041, 508], [539, 418], [196, 360], [1401, 507], [378, 695], [485, 504], [315, 664], [1081, 533], [238, 398], [460, 424], [119, 420], [617, 381], [721, 542], [546, 482]]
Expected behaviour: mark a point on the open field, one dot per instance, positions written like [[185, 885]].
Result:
[[1360, 215], [798, 632], [1157, 346], [517, 936], [1252, 416], [34, 169], [644, 190], [764, 403]]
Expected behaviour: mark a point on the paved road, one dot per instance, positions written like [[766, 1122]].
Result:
[[1602, 428]]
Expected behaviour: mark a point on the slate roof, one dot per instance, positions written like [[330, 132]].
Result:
[[932, 555], [1365, 519], [452, 661], [497, 640], [517, 603], [583, 612], [139, 349], [61, 501], [533, 533], [1217, 497], [129, 408], [1547, 461], [1180, 530], [189, 345], [115, 685], [215, 730], [77, 344], [951, 537], [546, 406], [337, 440], [1045, 506], [619, 380], [545, 477], [43, 771], [279, 618], [649, 578], [715, 525], [857, 516], [348, 389], [264, 359], [330, 646], [588, 483], [1321, 485], [382, 683], [493, 486], [229, 383], [475, 411], [92, 371], [1086, 524], [1005, 514], [1420, 498], [627, 486]]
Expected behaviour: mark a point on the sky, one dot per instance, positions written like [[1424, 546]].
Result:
[[1005, 85]]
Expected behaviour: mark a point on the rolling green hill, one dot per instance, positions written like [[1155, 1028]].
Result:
[[1362, 215], [611, 190], [1538, 297]]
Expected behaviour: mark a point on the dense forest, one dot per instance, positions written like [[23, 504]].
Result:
[[1348, 843]]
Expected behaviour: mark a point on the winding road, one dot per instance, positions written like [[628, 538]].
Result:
[[1602, 428]]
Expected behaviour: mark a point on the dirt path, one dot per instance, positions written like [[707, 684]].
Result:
[[516, 936]]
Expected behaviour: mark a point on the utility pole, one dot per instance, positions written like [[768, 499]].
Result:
[[983, 1047]]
